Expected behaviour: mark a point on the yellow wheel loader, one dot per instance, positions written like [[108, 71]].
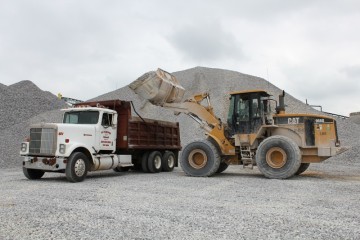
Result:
[[258, 132]]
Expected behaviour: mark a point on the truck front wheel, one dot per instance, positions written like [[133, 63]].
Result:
[[200, 159], [33, 173], [77, 167]]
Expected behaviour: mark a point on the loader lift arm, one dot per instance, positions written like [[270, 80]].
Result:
[[205, 116], [162, 89]]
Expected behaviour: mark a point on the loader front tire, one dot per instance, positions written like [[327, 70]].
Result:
[[303, 167], [200, 159], [278, 157], [223, 166]]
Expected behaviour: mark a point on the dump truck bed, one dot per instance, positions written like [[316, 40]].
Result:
[[153, 134], [140, 133]]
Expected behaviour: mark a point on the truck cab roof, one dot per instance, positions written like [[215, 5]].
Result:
[[88, 108]]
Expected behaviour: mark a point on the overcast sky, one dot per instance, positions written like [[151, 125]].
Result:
[[84, 48]]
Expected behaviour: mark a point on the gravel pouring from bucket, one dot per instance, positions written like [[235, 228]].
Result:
[[158, 87]]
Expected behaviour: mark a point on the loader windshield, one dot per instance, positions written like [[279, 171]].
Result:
[[81, 117], [247, 112]]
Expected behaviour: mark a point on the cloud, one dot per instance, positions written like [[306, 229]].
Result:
[[205, 42]]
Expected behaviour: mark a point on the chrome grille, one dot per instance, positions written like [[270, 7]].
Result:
[[42, 141]]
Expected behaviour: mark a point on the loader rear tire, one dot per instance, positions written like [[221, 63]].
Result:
[[223, 166], [278, 157], [303, 167], [200, 159], [33, 173]]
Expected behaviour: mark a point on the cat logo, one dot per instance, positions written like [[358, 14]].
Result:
[[294, 120]]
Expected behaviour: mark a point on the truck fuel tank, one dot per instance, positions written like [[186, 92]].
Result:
[[158, 87]]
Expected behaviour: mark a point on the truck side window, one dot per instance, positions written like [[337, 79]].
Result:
[[106, 119]]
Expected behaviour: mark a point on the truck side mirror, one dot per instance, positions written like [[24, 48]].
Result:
[[115, 120]]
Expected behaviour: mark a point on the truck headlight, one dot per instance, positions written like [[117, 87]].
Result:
[[62, 148], [24, 147]]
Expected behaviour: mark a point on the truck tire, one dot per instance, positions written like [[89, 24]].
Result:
[[144, 162], [200, 159], [303, 167], [278, 157], [33, 173], [77, 167], [168, 161], [155, 162], [223, 166]]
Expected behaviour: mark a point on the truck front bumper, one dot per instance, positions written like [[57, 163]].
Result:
[[45, 163]]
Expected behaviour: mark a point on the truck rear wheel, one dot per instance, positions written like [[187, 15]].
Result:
[[303, 167], [144, 162], [154, 162], [168, 161], [200, 159], [33, 173], [77, 167], [278, 157]]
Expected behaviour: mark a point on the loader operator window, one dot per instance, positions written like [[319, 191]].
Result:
[[81, 117], [243, 110]]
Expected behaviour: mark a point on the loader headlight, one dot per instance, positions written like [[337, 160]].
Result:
[[62, 148], [24, 147]]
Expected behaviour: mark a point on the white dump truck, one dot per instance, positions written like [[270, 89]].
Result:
[[99, 136]]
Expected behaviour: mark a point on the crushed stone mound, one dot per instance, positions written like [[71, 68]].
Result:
[[24, 100], [217, 82], [22, 103]]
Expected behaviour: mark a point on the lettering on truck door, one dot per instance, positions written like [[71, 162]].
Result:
[[107, 133]]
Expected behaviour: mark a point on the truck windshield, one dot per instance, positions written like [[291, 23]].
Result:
[[81, 117]]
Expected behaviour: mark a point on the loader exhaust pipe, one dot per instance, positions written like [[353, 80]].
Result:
[[281, 108]]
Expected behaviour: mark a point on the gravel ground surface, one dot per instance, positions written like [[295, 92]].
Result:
[[237, 204]]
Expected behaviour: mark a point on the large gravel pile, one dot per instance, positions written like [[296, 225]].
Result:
[[24, 100], [22, 103]]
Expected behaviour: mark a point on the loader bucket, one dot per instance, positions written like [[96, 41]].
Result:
[[158, 87]]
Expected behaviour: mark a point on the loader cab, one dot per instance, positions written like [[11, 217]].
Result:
[[248, 111]]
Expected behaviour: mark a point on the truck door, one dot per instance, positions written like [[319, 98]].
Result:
[[107, 133]]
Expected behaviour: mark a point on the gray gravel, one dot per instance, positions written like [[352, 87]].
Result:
[[24, 100], [238, 204], [323, 203]]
